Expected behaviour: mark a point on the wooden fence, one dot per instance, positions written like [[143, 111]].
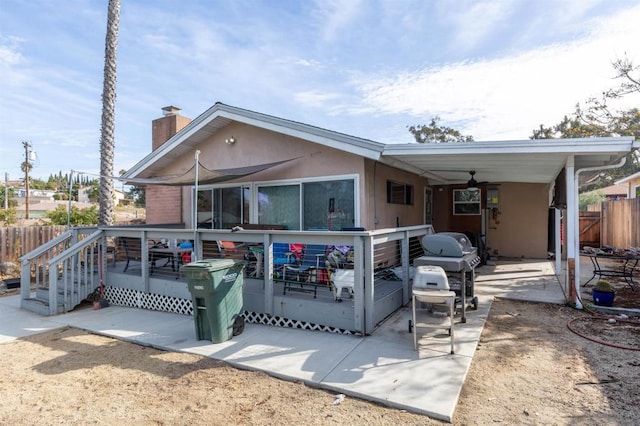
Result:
[[621, 223], [18, 241], [590, 228]]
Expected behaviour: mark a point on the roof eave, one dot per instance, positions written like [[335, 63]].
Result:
[[575, 146]]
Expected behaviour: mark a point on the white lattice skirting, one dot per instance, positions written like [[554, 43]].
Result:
[[157, 302]]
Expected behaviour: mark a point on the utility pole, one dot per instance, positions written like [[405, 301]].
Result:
[[26, 167], [6, 190]]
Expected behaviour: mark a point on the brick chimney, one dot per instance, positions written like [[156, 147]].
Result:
[[164, 203]]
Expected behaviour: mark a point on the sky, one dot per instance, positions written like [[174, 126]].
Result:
[[493, 69]]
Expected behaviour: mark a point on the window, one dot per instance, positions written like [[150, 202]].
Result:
[[399, 193], [279, 205], [466, 201], [638, 191], [328, 205]]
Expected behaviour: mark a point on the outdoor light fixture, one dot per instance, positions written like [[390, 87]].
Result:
[[230, 141]]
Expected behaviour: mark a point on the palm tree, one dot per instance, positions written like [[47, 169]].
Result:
[[107, 142]]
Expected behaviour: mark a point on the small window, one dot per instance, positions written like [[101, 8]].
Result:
[[638, 191], [399, 193], [466, 201]]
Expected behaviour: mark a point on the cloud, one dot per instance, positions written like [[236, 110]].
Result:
[[473, 21], [506, 97], [338, 16], [9, 54], [316, 99]]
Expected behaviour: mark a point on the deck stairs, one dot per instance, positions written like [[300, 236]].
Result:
[[70, 264]]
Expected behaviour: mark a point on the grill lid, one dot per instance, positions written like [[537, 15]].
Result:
[[447, 244]]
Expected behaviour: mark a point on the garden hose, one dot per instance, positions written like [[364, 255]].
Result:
[[602, 342], [596, 316]]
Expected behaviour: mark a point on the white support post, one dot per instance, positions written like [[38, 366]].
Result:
[[572, 279]]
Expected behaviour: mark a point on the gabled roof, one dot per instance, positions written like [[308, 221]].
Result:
[[529, 161], [221, 115], [611, 190], [628, 178]]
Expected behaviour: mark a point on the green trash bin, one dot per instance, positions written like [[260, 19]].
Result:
[[216, 291]]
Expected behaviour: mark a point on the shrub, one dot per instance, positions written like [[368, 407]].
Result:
[[88, 216]]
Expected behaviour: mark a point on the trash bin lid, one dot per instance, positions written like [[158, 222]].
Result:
[[210, 264]]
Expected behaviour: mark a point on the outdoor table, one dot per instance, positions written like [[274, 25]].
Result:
[[628, 266], [170, 253]]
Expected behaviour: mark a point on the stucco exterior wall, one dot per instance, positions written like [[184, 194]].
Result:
[[522, 225], [380, 214], [258, 146], [633, 184], [518, 228]]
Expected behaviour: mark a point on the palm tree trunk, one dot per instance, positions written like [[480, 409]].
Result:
[[107, 142]]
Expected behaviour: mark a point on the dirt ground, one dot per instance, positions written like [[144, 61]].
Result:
[[530, 368]]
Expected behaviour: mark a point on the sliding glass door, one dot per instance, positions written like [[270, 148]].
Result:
[[307, 205], [279, 205], [223, 208], [329, 205]]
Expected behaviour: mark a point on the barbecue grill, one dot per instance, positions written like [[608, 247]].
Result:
[[431, 287], [453, 252]]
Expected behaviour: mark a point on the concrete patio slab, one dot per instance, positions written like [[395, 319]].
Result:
[[382, 367]]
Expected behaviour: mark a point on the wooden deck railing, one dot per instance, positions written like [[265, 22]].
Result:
[[70, 268]]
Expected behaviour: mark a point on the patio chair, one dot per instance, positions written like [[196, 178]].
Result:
[[227, 248], [255, 256], [309, 267], [130, 249], [282, 255]]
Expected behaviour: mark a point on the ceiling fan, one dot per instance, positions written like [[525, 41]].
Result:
[[473, 183]]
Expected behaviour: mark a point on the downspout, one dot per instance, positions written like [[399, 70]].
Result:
[[576, 218]]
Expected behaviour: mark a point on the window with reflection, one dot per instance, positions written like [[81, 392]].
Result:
[[466, 201]]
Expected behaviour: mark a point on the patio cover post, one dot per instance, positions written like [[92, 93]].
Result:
[[572, 236]]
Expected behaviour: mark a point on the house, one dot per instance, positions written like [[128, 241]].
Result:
[[287, 182], [314, 179], [617, 191], [633, 185], [83, 195]]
